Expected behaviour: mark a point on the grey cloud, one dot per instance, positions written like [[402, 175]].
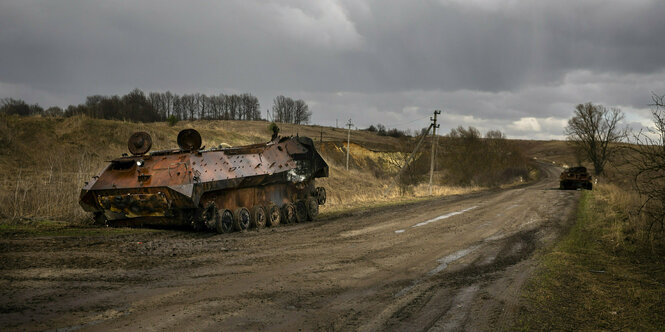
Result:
[[378, 61]]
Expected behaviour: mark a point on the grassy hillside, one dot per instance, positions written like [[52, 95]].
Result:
[[45, 161]]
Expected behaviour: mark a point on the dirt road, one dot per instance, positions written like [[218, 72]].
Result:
[[446, 264]]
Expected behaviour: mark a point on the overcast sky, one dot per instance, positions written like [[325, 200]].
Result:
[[519, 66]]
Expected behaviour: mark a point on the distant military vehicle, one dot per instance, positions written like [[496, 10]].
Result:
[[222, 189], [575, 178]]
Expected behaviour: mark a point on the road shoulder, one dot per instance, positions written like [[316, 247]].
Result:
[[587, 282]]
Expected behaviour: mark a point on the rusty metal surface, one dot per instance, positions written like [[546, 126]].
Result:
[[575, 177], [189, 140], [139, 143], [575, 173], [160, 183], [136, 205]]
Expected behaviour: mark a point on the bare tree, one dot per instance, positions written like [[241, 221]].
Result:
[[281, 108], [595, 129], [233, 105], [648, 160], [178, 109], [287, 110], [19, 107], [157, 106], [250, 107], [167, 102], [301, 112], [155, 100], [463, 155], [188, 103]]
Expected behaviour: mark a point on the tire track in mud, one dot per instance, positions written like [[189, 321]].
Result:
[[451, 292], [513, 249], [350, 273]]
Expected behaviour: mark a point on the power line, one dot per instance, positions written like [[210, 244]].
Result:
[[404, 123]]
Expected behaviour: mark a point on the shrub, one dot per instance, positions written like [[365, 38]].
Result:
[[172, 120]]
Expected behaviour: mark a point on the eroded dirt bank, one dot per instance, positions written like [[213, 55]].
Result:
[[446, 264]]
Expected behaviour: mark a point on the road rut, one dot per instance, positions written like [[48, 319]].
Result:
[[454, 263]]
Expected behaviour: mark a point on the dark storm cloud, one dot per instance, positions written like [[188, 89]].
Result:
[[490, 63]]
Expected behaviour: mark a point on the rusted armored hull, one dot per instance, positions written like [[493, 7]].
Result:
[[575, 178], [191, 187]]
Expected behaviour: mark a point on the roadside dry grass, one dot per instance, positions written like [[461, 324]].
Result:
[[354, 188], [45, 161], [603, 275]]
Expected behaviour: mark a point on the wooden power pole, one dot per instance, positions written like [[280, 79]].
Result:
[[348, 143], [433, 158]]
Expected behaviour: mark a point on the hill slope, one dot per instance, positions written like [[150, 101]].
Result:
[[45, 161]]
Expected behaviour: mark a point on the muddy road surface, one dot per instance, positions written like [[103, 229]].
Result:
[[447, 264]]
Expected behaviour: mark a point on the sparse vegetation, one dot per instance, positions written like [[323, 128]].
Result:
[[469, 159], [273, 128], [46, 161], [171, 120], [648, 161], [10, 106], [600, 276]]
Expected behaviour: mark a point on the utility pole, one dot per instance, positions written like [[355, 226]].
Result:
[[336, 123], [321, 140], [409, 159], [348, 144], [433, 158]]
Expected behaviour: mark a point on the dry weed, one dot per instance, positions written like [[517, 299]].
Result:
[[49, 160], [619, 206]]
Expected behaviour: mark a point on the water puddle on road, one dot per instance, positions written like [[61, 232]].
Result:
[[441, 217], [443, 264]]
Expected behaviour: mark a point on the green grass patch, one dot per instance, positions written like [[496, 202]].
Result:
[[588, 283]]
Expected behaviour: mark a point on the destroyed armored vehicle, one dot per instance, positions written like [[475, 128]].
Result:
[[222, 189], [575, 178]]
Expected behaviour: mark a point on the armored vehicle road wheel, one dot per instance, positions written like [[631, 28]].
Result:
[[259, 217], [288, 213], [321, 195], [206, 218], [312, 208], [100, 219], [242, 219], [301, 211], [224, 222], [274, 215]]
